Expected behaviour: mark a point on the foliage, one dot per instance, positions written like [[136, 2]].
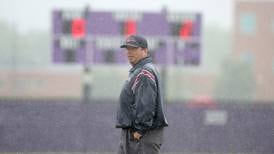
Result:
[[236, 82]]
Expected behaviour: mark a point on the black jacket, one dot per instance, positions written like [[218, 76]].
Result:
[[141, 102]]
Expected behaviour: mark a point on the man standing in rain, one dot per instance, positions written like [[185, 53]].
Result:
[[140, 110]]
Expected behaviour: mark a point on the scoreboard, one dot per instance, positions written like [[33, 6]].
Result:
[[94, 37]]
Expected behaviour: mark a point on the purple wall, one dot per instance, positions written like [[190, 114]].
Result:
[[75, 127]]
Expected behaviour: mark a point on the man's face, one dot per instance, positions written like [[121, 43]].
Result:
[[135, 54]]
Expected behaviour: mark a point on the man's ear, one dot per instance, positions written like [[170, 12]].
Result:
[[146, 51]]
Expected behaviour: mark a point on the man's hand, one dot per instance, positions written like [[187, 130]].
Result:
[[137, 136]]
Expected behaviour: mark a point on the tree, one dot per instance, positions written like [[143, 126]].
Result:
[[31, 49], [236, 82]]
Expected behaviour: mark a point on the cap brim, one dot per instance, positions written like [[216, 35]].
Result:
[[126, 45]]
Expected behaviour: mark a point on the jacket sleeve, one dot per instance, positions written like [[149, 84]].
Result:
[[145, 92]]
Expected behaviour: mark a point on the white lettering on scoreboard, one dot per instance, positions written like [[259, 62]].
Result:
[[71, 14], [108, 42], [122, 16], [67, 42]]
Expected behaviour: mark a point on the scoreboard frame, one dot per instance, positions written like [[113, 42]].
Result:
[[93, 37]]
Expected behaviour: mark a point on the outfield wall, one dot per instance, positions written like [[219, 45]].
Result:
[[59, 126]]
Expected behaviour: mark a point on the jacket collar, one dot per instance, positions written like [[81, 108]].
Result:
[[141, 63]]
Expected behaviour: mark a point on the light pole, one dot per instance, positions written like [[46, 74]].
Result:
[[87, 75]]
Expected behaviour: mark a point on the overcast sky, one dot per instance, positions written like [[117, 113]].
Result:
[[36, 14]]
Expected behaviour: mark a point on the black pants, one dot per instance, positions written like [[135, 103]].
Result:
[[150, 143]]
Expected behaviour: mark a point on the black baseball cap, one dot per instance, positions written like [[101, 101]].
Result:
[[135, 41]]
